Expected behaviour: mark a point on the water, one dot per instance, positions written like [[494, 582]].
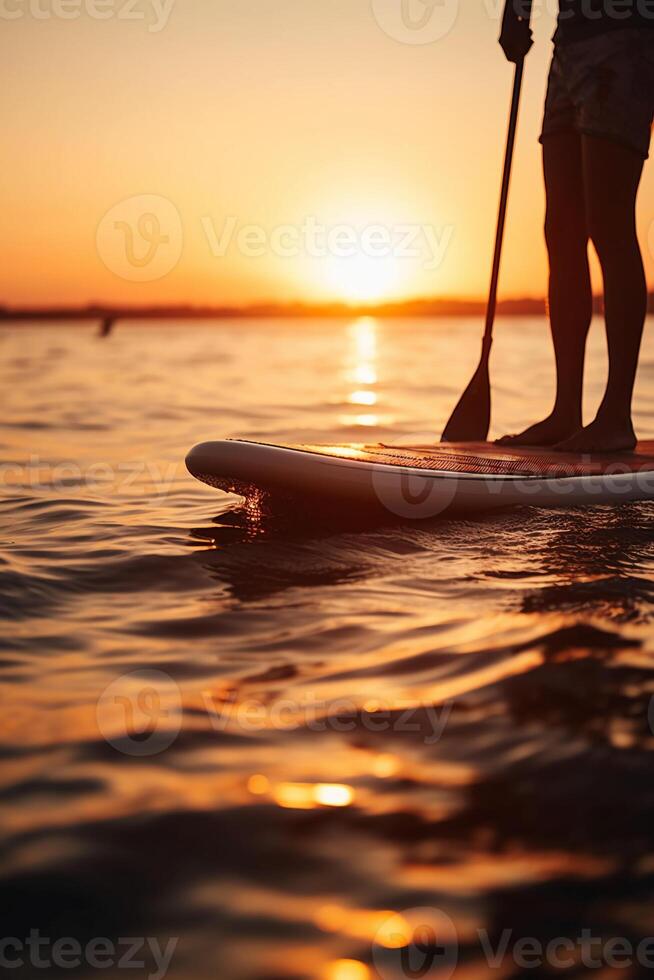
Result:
[[260, 736]]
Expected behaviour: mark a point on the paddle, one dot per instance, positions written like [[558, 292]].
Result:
[[470, 420]]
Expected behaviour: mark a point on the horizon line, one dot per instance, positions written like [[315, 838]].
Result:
[[435, 307]]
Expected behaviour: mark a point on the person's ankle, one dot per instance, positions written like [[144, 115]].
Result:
[[570, 415], [617, 417]]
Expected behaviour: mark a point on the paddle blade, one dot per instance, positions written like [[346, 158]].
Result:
[[470, 420]]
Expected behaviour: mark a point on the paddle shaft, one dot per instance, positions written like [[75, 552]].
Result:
[[504, 200], [470, 420]]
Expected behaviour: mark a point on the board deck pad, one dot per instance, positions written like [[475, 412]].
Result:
[[488, 459]]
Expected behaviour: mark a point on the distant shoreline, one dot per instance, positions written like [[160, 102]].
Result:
[[411, 308]]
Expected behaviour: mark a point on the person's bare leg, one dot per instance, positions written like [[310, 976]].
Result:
[[570, 295], [611, 178]]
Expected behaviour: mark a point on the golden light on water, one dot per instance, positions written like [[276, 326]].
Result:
[[258, 785], [331, 918], [363, 398], [308, 796], [385, 928], [361, 368], [385, 766], [364, 337], [295, 796], [336, 795], [394, 933], [364, 374], [347, 970]]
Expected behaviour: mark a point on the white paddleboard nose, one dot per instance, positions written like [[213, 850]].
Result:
[[202, 458]]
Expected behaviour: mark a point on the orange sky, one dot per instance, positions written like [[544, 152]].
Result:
[[267, 149]]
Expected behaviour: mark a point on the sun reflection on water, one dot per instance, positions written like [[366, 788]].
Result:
[[363, 398], [347, 970], [361, 369], [364, 374], [302, 796], [386, 928]]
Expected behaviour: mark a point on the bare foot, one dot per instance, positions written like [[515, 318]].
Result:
[[546, 433], [601, 437]]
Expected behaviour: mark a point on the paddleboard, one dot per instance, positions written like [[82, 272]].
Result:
[[423, 481]]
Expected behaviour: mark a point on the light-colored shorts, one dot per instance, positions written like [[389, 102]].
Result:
[[604, 86]]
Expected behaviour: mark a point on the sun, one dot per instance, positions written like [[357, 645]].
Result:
[[363, 278]]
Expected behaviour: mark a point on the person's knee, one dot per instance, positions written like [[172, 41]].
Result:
[[565, 239], [601, 234], [611, 233]]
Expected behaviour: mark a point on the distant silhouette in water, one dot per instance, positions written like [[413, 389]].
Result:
[[596, 135], [106, 326]]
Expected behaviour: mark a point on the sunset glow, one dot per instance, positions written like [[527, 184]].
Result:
[[363, 278], [269, 143]]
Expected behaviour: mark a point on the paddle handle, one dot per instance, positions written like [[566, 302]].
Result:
[[504, 200]]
